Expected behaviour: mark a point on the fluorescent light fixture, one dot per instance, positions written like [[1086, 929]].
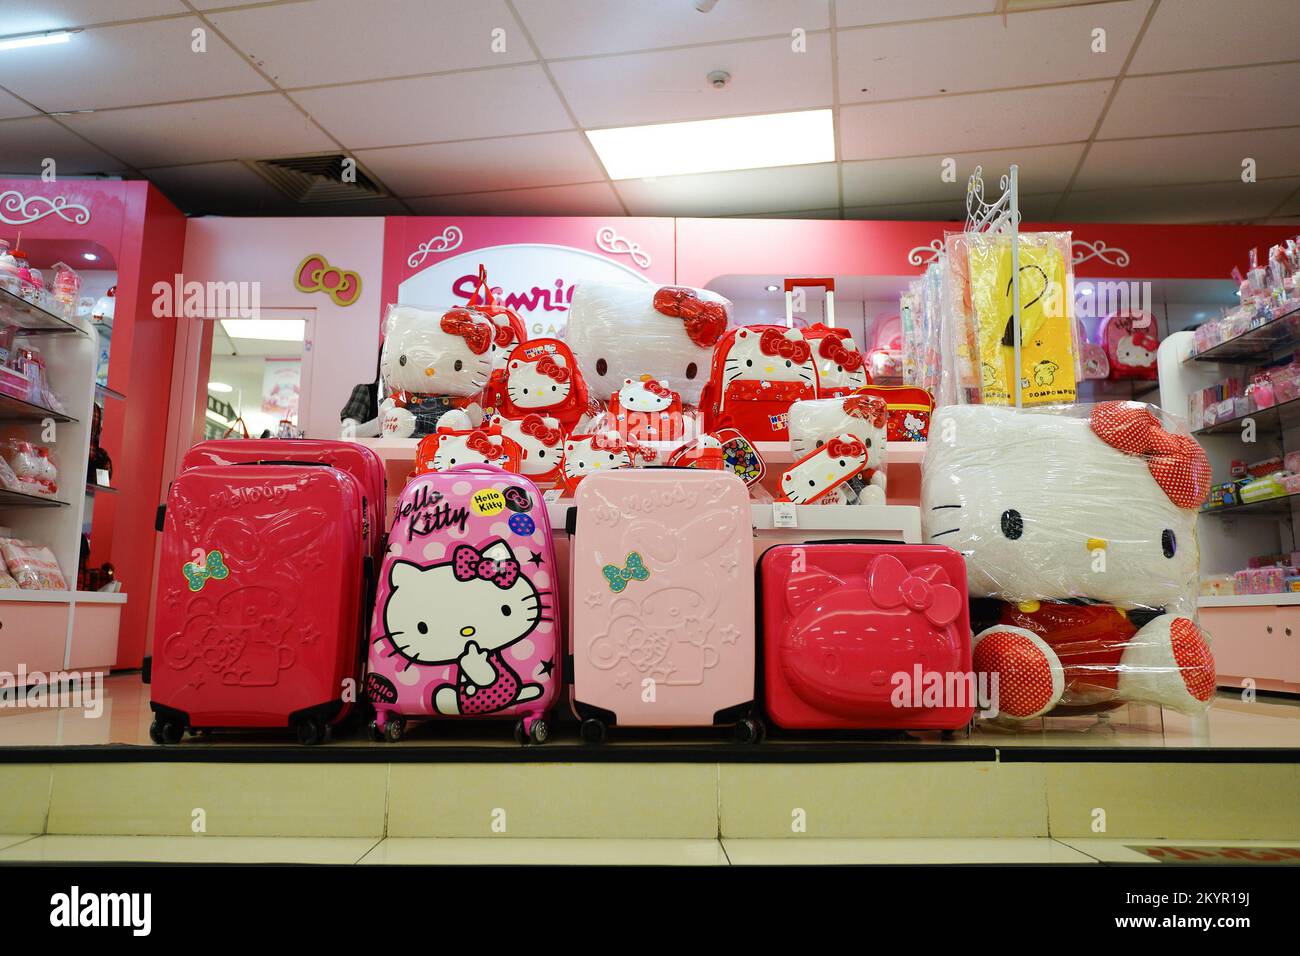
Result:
[[89, 256], [710, 146], [271, 330], [220, 387], [35, 39]]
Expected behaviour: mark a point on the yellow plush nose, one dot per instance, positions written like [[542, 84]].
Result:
[[1094, 543], [429, 370], [769, 370], [467, 632]]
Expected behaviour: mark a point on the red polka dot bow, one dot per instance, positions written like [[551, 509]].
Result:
[[870, 408], [1176, 462], [477, 335], [552, 369], [833, 348], [705, 321], [925, 589], [534, 427], [774, 342], [838, 448], [468, 564]]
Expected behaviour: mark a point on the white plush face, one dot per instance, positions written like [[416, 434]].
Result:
[[616, 334], [1043, 509], [431, 615], [420, 358], [1130, 353], [635, 397], [814, 423], [746, 361], [582, 458], [831, 374], [455, 450], [809, 479], [540, 454], [530, 388]]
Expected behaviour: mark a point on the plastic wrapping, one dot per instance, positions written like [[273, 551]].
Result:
[[32, 467], [841, 368], [757, 373], [862, 417], [1079, 525], [620, 331], [587, 453], [434, 363], [32, 566], [446, 448], [540, 377]]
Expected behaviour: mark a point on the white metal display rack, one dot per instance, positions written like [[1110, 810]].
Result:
[[999, 218]]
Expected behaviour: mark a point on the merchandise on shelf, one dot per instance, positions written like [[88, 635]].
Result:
[[33, 468], [886, 357], [1130, 339], [99, 459], [1219, 585], [1093, 362], [586, 454], [541, 444], [820, 476], [841, 369], [864, 417], [66, 287], [540, 377], [434, 364], [622, 331], [909, 410], [1260, 581], [1096, 504], [446, 448], [757, 373], [32, 566]]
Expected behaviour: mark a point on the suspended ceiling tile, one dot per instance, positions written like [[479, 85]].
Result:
[[25, 144], [673, 85], [517, 162], [1199, 158], [882, 181], [1189, 34], [1031, 208], [588, 199], [1205, 102], [733, 193], [504, 102], [126, 65], [975, 121], [246, 127], [341, 41], [11, 106], [570, 28], [851, 13], [1226, 202], [37, 16]]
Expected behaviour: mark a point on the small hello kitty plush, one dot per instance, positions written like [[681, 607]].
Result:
[[841, 369], [447, 448], [434, 364], [541, 443], [758, 372], [820, 476], [866, 418], [584, 454], [1080, 531], [541, 377]]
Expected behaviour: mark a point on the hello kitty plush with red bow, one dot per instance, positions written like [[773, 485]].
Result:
[[542, 378], [541, 443], [434, 364], [1079, 527], [866, 418], [820, 475]]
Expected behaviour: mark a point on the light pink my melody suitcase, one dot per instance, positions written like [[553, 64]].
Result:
[[466, 622], [662, 577]]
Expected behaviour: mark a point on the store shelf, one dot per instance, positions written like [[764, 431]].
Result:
[[16, 410], [32, 319], [103, 391], [1277, 505], [94, 489], [20, 499], [852, 520], [1249, 600], [1284, 415], [1261, 344], [62, 597]]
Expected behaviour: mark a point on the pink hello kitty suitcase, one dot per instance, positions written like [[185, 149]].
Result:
[[663, 601], [261, 600], [866, 636], [466, 623]]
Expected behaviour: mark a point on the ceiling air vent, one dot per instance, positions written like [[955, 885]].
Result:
[[313, 179]]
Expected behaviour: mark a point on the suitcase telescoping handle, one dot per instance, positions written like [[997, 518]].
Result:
[[824, 282]]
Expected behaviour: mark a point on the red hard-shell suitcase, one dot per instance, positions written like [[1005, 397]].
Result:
[[360, 461], [261, 593], [866, 636]]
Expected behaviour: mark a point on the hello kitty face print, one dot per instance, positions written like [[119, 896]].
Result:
[[542, 383], [541, 443], [435, 352], [1136, 351], [824, 471], [841, 368], [645, 395], [473, 446], [769, 355], [465, 611], [585, 454]]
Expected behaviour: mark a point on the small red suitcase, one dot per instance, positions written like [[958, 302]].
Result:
[[261, 598], [866, 636]]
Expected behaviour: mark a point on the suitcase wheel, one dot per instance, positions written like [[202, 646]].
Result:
[[750, 730], [163, 731], [593, 731], [391, 730], [537, 732], [312, 730]]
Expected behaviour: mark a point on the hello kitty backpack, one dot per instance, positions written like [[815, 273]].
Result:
[[841, 369], [541, 446], [645, 410], [448, 447], [1131, 340], [758, 371], [541, 377], [466, 621]]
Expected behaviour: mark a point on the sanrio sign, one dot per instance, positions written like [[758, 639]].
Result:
[[535, 279]]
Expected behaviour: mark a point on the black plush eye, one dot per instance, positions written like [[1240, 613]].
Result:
[[525, 391], [1168, 543], [1013, 526], [788, 363], [505, 610], [812, 484], [459, 365], [820, 443], [453, 461], [839, 368], [422, 628], [749, 363], [867, 442], [841, 462], [582, 464], [401, 360], [542, 453], [691, 370], [554, 387], [601, 366]]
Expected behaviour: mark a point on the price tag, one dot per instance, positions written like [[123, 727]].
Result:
[[101, 477], [553, 495], [784, 515]]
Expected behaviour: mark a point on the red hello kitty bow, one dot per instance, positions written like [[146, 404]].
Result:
[[468, 564], [837, 448], [924, 589], [870, 408], [832, 347], [705, 321], [534, 427], [476, 335], [552, 369], [606, 442], [480, 443], [504, 334], [774, 342], [655, 388], [1176, 462], [1145, 340]]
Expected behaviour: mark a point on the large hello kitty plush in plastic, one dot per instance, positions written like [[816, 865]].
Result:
[[622, 331], [434, 365], [1082, 525], [865, 417]]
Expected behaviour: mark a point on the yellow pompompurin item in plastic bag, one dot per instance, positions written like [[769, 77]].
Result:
[[1048, 351]]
